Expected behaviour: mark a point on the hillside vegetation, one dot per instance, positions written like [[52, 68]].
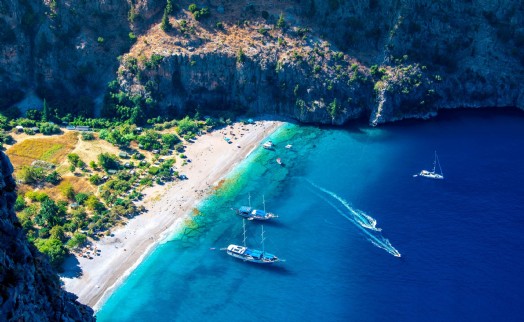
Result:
[[316, 61]]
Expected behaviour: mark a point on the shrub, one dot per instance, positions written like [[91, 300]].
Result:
[[77, 240], [241, 57], [81, 197], [202, 13], [192, 8], [31, 175], [67, 191], [88, 136], [95, 179], [48, 128], [53, 248], [36, 196], [20, 203], [53, 177], [165, 25], [281, 23], [187, 125], [108, 161], [100, 40], [33, 114], [153, 170]]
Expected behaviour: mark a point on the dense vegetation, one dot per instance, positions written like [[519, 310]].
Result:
[[54, 207]]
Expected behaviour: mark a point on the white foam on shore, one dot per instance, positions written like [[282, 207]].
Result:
[[103, 275]]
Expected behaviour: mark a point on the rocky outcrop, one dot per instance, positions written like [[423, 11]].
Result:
[[433, 55], [29, 288]]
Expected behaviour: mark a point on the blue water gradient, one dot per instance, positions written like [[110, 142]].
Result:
[[348, 203]]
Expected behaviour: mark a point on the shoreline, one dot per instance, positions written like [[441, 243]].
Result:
[[167, 207]]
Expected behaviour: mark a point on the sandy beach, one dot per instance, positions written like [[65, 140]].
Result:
[[212, 158]]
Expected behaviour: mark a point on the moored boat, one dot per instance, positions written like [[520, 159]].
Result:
[[255, 214], [432, 174], [249, 254], [268, 145]]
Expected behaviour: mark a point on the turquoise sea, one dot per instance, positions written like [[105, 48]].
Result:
[[348, 202]]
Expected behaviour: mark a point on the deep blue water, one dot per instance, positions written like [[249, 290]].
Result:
[[461, 239]]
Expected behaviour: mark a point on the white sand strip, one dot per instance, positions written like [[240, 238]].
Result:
[[212, 159]]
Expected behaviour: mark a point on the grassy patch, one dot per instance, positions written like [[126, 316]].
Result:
[[50, 149], [78, 184]]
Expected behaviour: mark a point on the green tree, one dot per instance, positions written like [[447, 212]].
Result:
[[334, 108], [20, 203], [53, 248], [49, 214], [45, 112], [67, 190], [73, 158], [281, 23], [108, 161], [165, 25], [170, 140], [77, 240], [93, 203], [53, 177], [57, 232]]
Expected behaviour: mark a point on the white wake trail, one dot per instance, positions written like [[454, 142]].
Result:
[[361, 217], [355, 216]]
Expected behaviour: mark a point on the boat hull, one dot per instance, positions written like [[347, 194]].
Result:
[[250, 255]]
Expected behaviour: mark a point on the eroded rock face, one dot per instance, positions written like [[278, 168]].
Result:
[[29, 288], [461, 53]]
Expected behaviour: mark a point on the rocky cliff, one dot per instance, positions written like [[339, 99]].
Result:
[[29, 289], [316, 61]]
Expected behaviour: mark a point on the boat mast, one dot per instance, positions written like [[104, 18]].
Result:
[[244, 227], [249, 199], [438, 161], [262, 242], [435, 162], [264, 202]]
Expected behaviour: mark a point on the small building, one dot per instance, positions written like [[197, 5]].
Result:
[[70, 127], [82, 128], [74, 205], [138, 129], [123, 155], [35, 129], [127, 165], [104, 178], [155, 151], [111, 171], [19, 128]]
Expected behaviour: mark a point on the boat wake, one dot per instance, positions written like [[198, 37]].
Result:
[[361, 217], [364, 222]]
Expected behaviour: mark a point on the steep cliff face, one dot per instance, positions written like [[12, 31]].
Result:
[[29, 289], [430, 55]]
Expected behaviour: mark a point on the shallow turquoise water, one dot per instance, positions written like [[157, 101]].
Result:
[[460, 239]]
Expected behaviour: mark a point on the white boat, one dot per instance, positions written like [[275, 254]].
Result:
[[279, 161], [289, 146], [249, 254], [432, 174], [268, 145]]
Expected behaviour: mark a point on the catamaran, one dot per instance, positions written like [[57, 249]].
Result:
[[255, 214], [251, 255], [432, 174]]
